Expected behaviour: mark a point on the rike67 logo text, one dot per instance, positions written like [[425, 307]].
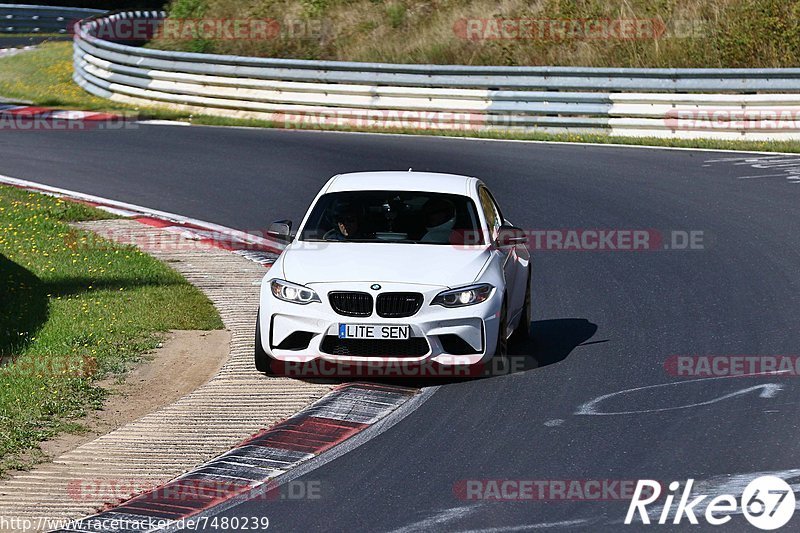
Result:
[[767, 502]]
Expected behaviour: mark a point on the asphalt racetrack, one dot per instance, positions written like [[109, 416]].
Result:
[[599, 398]]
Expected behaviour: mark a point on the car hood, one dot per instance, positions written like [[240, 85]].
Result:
[[425, 264]]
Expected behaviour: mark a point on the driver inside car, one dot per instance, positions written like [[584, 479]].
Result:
[[440, 219], [348, 225]]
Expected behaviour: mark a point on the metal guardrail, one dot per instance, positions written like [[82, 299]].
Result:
[[20, 18], [716, 103]]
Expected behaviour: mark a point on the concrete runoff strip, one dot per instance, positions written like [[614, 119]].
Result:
[[256, 468], [237, 402]]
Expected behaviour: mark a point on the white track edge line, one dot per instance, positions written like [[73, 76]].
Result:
[[530, 141]]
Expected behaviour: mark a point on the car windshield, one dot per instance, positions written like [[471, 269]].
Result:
[[394, 216]]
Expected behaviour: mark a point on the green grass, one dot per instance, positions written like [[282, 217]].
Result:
[[75, 309], [44, 76], [711, 144], [698, 33]]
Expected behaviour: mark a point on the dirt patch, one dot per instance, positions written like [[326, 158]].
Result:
[[185, 361]]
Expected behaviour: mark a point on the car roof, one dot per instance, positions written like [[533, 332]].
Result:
[[402, 181]]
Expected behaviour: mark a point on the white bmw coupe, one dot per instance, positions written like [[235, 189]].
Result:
[[396, 266]]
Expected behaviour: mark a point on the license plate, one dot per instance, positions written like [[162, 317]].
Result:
[[374, 331]]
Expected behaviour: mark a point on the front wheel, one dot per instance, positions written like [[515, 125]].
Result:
[[523, 330], [501, 347]]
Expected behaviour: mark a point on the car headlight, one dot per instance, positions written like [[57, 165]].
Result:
[[463, 296], [292, 292]]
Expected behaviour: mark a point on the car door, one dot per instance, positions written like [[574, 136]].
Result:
[[516, 258], [494, 219]]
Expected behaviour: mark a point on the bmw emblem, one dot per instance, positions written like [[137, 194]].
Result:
[[375, 287]]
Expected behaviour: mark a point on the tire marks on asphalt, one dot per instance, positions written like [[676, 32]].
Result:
[[760, 167]]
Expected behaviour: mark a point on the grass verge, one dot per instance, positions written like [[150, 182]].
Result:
[[44, 76], [708, 144], [671, 33], [73, 314]]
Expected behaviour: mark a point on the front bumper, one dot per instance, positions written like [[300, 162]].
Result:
[[452, 336]]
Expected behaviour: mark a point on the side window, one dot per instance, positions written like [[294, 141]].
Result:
[[497, 208], [493, 217]]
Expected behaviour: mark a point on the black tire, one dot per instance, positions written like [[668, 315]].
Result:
[[501, 347], [499, 363], [523, 329], [263, 360]]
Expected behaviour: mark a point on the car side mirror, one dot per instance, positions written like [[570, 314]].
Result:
[[508, 235], [280, 229]]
